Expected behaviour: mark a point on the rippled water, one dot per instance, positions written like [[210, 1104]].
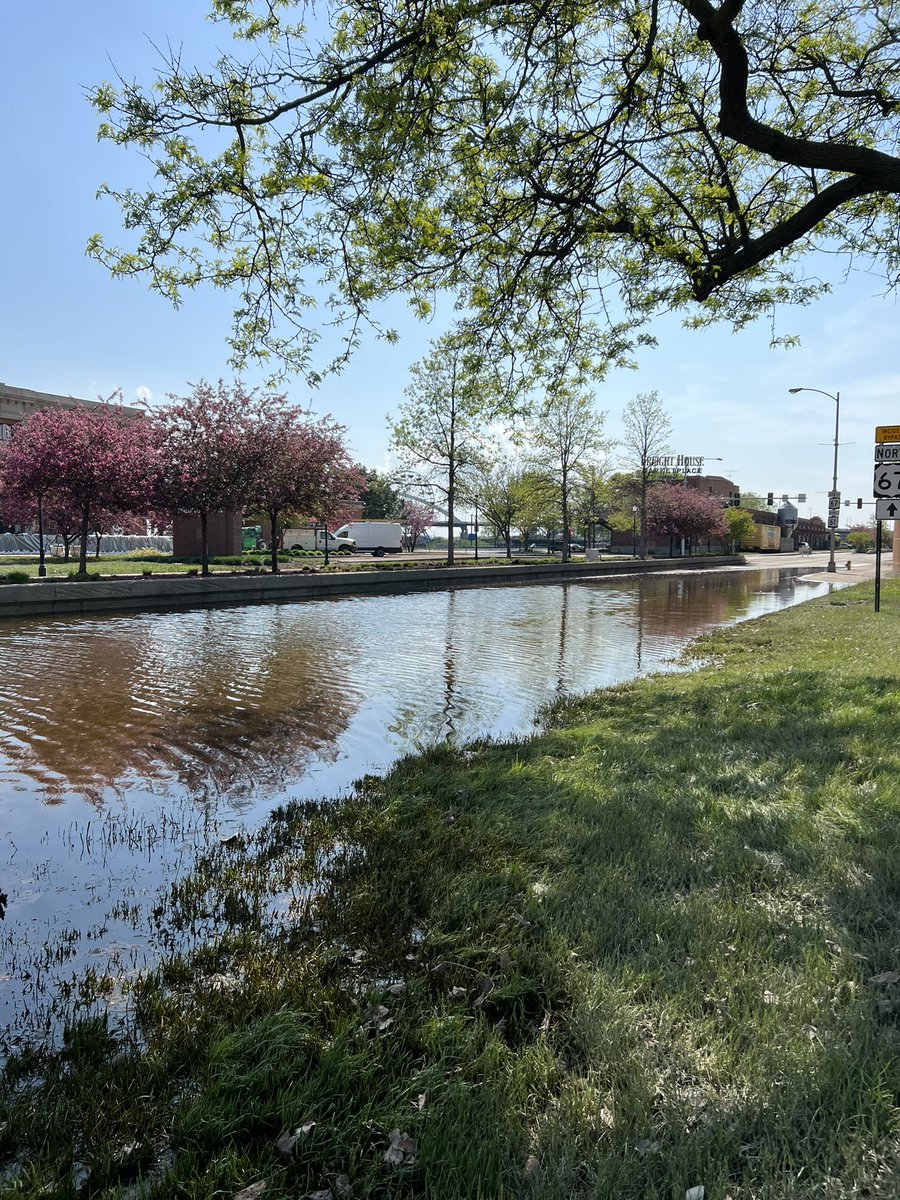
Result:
[[126, 743]]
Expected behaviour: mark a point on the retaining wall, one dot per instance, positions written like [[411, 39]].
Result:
[[71, 597]]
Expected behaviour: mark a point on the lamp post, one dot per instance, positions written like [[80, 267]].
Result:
[[476, 529], [634, 513], [324, 515], [837, 421]]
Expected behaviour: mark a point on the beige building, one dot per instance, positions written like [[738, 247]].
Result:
[[17, 404]]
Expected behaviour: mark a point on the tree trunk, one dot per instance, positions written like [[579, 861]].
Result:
[[565, 517], [451, 496], [204, 542], [508, 540], [82, 547], [273, 521]]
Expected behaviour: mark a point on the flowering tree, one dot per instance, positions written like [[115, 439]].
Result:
[[208, 459], [676, 511], [302, 467], [84, 458], [416, 518]]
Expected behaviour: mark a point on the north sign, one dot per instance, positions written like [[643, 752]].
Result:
[[887, 454], [887, 433], [887, 481]]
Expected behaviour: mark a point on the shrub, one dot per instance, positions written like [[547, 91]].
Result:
[[16, 577]]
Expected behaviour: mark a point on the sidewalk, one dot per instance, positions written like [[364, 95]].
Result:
[[862, 566]]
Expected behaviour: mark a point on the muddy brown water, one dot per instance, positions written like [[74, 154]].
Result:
[[129, 743]]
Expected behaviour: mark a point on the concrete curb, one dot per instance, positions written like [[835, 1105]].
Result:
[[75, 598]]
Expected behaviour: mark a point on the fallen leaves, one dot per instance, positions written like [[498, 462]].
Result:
[[647, 1146], [286, 1143], [401, 1149], [376, 1019], [249, 1193], [886, 977]]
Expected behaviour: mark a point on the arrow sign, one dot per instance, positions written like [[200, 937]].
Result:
[[887, 510]]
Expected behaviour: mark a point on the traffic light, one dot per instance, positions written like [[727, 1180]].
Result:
[[859, 502], [770, 498]]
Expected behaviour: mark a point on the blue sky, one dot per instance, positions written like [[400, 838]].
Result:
[[68, 328]]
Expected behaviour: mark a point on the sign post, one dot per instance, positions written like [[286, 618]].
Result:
[[886, 488]]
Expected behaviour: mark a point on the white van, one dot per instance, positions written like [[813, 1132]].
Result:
[[374, 537], [314, 539]]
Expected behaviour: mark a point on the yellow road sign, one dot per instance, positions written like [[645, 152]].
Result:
[[887, 433]]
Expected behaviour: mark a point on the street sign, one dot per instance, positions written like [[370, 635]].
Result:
[[887, 433], [887, 481], [834, 501], [887, 510], [833, 519], [886, 454]]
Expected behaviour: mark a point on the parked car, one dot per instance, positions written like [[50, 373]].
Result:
[[555, 546]]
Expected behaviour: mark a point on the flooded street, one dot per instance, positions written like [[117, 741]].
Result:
[[128, 743]]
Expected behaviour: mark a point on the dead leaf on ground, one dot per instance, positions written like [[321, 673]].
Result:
[[397, 989], [288, 1141], [457, 994], [647, 1146], [606, 1118], [401, 1149], [886, 977], [324, 1194], [769, 998], [376, 1019], [342, 1188], [419, 1102], [248, 1193], [531, 1165], [695, 1193]]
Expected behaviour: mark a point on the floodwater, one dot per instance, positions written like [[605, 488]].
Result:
[[129, 743]]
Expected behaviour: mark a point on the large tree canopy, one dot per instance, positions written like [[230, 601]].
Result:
[[537, 158]]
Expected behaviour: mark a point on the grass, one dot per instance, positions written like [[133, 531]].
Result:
[[137, 564], [651, 948]]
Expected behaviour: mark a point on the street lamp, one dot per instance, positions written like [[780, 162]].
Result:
[[476, 529], [325, 514], [837, 419], [634, 513]]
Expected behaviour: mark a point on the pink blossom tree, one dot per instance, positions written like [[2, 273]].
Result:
[[208, 455], [676, 511], [302, 467], [84, 458], [416, 518]]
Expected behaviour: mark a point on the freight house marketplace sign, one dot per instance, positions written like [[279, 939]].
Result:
[[685, 464]]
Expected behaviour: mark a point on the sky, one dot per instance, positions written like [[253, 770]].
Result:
[[67, 327]]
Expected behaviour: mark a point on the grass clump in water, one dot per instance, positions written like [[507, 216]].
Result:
[[652, 948]]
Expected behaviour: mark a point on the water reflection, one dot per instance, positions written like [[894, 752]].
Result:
[[127, 742]]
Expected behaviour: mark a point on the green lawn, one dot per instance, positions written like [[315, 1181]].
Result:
[[125, 564], [653, 948]]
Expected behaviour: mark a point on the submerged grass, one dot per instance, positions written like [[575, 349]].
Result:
[[652, 948]]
